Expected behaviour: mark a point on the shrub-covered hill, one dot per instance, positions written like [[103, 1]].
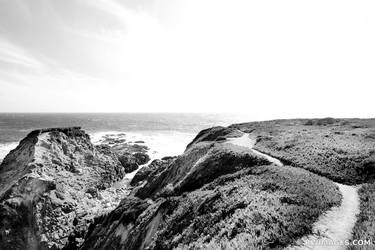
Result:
[[215, 196], [340, 149]]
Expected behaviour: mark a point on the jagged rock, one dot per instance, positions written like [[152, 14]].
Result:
[[131, 155], [43, 185]]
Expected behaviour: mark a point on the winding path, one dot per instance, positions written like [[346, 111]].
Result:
[[333, 228]]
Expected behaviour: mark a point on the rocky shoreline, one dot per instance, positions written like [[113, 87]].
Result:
[[60, 191]]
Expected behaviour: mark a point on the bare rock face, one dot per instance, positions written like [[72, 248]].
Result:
[[52, 185]]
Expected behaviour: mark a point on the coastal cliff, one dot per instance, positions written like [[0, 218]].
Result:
[[51, 186], [247, 186]]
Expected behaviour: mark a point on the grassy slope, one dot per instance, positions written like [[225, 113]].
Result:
[[266, 207], [343, 150]]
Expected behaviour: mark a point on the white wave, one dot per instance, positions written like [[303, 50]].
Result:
[[161, 143]]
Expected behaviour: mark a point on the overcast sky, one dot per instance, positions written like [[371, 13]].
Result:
[[269, 58]]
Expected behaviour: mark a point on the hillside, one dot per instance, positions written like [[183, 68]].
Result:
[[216, 195]]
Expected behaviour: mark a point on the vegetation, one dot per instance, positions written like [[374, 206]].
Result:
[[266, 207], [342, 150]]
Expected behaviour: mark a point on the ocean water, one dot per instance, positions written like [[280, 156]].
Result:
[[164, 133]]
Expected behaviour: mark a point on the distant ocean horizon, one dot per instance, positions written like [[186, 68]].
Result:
[[164, 133]]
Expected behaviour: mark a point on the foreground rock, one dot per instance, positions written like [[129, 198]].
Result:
[[51, 186]]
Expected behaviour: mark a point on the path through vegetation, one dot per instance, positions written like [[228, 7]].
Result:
[[334, 228]]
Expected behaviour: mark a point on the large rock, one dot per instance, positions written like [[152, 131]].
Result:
[[47, 185]]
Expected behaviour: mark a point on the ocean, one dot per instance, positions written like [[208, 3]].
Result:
[[164, 133]]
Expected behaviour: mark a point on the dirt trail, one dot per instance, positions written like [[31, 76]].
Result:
[[334, 227]]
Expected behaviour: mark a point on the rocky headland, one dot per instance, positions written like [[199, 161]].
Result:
[[54, 184]]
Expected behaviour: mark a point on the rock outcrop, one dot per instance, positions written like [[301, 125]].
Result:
[[52, 185], [130, 154], [131, 162]]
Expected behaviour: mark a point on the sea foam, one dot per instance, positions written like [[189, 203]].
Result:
[[160, 143]]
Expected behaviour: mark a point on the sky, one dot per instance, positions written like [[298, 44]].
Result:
[[269, 58]]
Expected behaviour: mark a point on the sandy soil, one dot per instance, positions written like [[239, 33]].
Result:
[[333, 229]]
